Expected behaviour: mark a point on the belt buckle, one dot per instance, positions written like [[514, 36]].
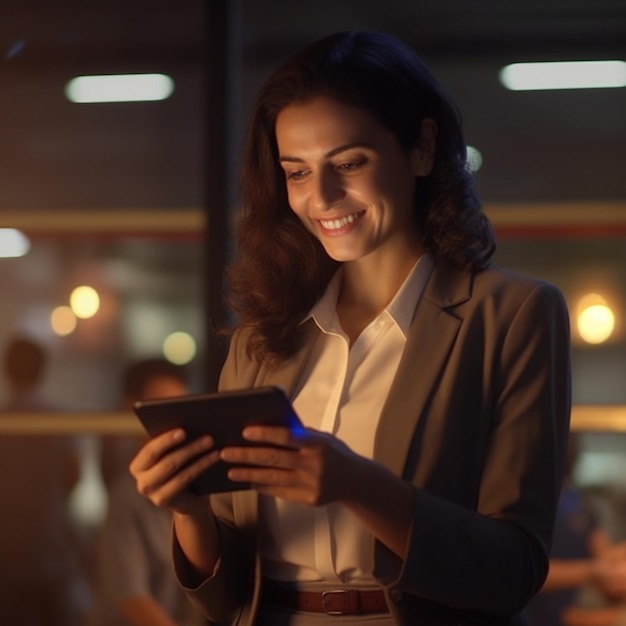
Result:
[[333, 592]]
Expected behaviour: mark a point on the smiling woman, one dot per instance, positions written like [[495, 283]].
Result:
[[434, 389]]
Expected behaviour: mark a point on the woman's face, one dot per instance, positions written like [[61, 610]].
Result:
[[348, 179]]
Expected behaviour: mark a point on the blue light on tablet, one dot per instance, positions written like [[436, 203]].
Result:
[[296, 426]]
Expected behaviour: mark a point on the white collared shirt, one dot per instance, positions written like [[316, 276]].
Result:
[[343, 392]]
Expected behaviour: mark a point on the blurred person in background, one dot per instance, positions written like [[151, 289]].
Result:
[[586, 582], [134, 579], [43, 574], [116, 452]]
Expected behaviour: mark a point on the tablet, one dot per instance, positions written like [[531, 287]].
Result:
[[223, 415]]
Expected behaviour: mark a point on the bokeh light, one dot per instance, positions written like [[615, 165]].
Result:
[[63, 321], [84, 301], [179, 348], [595, 320]]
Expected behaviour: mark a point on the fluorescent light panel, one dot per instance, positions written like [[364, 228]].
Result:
[[564, 75], [119, 88], [13, 243]]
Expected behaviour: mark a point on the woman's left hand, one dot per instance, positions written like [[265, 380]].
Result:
[[310, 467]]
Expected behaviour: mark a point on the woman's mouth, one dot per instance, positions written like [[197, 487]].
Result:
[[342, 224]]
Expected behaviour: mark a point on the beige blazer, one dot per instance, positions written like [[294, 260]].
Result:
[[477, 420]]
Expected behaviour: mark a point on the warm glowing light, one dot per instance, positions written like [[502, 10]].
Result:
[[13, 243], [63, 321], [119, 88], [596, 320], [474, 159], [179, 348], [84, 301], [564, 75]]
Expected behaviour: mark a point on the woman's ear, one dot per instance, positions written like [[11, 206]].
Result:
[[423, 155]]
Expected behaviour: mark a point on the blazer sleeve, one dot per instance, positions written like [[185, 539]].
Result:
[[494, 559], [232, 584]]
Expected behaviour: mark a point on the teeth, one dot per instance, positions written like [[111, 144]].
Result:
[[340, 223]]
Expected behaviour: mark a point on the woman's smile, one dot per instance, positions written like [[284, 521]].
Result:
[[341, 225]]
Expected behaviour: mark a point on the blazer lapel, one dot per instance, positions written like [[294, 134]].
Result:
[[288, 375], [429, 341]]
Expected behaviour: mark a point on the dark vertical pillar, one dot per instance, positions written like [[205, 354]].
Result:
[[222, 81]]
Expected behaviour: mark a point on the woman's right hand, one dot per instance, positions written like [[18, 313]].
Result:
[[166, 465]]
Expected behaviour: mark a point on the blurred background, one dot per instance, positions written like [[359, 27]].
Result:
[[115, 216]]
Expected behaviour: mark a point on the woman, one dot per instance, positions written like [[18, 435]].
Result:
[[435, 389]]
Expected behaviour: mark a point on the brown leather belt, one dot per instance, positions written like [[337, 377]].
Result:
[[331, 602]]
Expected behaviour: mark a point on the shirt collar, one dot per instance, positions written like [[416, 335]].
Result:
[[400, 309], [402, 306], [324, 311]]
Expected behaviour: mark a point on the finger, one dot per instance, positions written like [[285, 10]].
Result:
[[176, 459], [298, 495], [261, 476], [155, 448], [270, 456], [277, 435], [172, 463], [179, 483]]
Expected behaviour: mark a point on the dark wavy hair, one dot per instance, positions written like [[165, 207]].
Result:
[[281, 269]]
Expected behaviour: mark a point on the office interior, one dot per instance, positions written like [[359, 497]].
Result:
[[135, 200]]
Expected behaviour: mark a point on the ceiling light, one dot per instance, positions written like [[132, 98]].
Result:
[[564, 75], [119, 88], [474, 159], [13, 243]]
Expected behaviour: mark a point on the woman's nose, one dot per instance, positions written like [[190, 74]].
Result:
[[328, 189]]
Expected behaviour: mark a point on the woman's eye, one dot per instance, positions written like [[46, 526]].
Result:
[[296, 175], [351, 166]]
